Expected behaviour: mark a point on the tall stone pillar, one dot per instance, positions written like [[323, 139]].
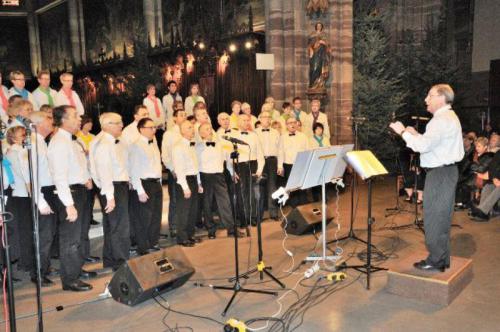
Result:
[[287, 30], [153, 18], [34, 38], [76, 31]]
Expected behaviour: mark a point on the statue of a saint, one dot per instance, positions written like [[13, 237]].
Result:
[[319, 58]]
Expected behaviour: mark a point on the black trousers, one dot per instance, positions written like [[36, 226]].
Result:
[[439, 199], [246, 192], [215, 188], [12, 231], [187, 209], [116, 226], [133, 215], [271, 172], [87, 218], [149, 222], [21, 209], [297, 197], [70, 253], [172, 188], [159, 137], [46, 230]]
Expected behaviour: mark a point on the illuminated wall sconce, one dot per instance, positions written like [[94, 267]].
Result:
[[248, 44], [201, 46], [232, 47]]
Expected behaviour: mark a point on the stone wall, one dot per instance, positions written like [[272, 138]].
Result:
[[287, 28]]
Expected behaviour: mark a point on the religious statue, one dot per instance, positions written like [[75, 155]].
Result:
[[317, 6], [319, 58]]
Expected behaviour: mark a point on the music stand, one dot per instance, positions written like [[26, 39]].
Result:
[[366, 165], [313, 168]]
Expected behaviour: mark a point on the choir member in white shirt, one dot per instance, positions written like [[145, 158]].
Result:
[[131, 133], [68, 167], [68, 96], [201, 116], [169, 99], [44, 187], [211, 157], [250, 165], [193, 98], [316, 116], [170, 138], [247, 109], [44, 95], [291, 143], [19, 111], [108, 167], [145, 176], [156, 111], [188, 184], [19, 203], [4, 101], [269, 139], [18, 87]]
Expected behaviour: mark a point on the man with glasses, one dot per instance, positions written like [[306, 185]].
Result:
[[18, 84], [440, 148], [44, 95], [68, 96], [108, 167]]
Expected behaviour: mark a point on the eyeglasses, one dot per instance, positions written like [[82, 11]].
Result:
[[116, 123]]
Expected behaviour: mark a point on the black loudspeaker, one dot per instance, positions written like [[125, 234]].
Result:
[[305, 218], [141, 278]]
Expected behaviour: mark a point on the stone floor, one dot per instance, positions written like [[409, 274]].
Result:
[[346, 306]]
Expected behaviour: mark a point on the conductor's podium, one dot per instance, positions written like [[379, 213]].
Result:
[[429, 286]]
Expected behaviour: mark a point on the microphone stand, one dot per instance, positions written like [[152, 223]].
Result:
[[11, 307], [36, 234], [236, 288]]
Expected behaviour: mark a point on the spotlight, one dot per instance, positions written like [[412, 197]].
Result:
[[232, 48], [201, 45], [248, 45]]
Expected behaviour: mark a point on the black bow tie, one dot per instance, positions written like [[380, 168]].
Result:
[[227, 131], [117, 141], [291, 134], [244, 133], [150, 141], [264, 130], [192, 143], [74, 138], [211, 144]]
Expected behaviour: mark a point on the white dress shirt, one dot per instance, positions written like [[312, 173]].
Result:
[[185, 162], [145, 162], [211, 158], [190, 102], [61, 100], [168, 106], [269, 139], [3, 112], [67, 164], [13, 92], [39, 156], [309, 120], [108, 163], [290, 145], [159, 121], [130, 134], [252, 151], [226, 145], [442, 142], [42, 99], [18, 156], [170, 138], [313, 143]]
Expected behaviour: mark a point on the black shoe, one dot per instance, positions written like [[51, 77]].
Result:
[[77, 286], [423, 265], [154, 248], [478, 215], [195, 240], [94, 222], [212, 235], [46, 282], [186, 243], [88, 274], [92, 259]]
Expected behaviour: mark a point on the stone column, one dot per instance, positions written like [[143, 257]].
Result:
[[34, 38], [76, 31], [275, 45], [154, 20]]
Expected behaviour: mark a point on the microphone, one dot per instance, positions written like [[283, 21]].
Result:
[[422, 118], [25, 121], [357, 118], [234, 140]]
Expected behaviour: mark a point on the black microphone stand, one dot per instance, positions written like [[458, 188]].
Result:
[[236, 288], [6, 249], [36, 234]]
